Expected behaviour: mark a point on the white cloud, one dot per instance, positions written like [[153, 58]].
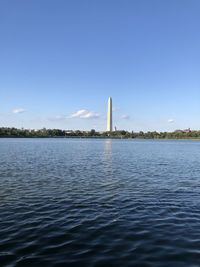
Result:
[[85, 114], [125, 117], [18, 110], [170, 120]]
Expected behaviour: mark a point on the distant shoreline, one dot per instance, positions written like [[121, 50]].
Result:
[[92, 137], [187, 134]]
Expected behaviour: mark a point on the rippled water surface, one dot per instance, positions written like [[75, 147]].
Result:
[[75, 202]]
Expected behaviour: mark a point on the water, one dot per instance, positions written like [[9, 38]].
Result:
[[75, 202]]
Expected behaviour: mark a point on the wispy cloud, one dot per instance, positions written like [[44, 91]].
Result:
[[18, 110], [125, 117], [115, 109], [57, 118], [170, 120], [85, 114]]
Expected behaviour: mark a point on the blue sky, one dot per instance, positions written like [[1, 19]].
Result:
[[60, 60]]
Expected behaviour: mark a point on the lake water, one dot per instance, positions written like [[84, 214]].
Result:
[[83, 202]]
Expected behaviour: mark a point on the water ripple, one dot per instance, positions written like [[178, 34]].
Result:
[[99, 203]]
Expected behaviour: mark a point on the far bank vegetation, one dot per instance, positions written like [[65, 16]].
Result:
[[178, 134]]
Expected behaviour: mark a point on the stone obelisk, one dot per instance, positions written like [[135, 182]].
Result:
[[109, 116]]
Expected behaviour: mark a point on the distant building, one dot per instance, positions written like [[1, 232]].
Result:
[[183, 131]]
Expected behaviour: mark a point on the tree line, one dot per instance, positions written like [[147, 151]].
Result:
[[14, 132]]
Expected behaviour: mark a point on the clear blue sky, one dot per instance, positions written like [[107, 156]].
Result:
[[58, 57]]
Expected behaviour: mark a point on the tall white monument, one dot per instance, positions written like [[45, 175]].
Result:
[[109, 116]]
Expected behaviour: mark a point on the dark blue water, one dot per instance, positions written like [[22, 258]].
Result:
[[74, 202]]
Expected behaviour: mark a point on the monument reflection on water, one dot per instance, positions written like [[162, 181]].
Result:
[[108, 153]]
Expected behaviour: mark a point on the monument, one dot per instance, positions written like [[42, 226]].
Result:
[[109, 116]]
